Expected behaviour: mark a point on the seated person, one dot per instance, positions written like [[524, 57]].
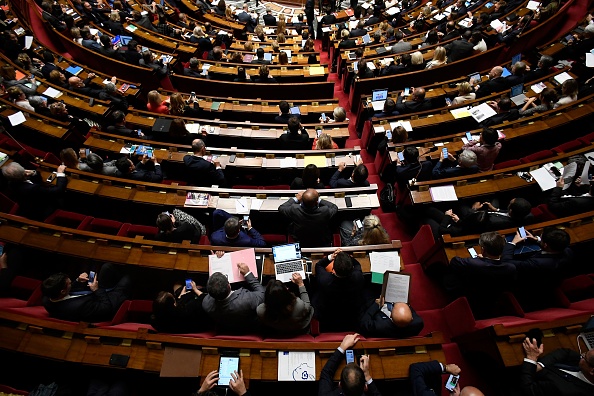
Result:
[[296, 137], [193, 70], [176, 227], [233, 311], [309, 179], [324, 142], [563, 205], [504, 112], [283, 312], [371, 233], [427, 376], [410, 168], [416, 103], [156, 104], [466, 165], [399, 135], [260, 57], [339, 114], [390, 320], [150, 60], [357, 179], [180, 311], [95, 302], [488, 149], [388, 110], [263, 76], [339, 300], [234, 232], [148, 170], [284, 113], [119, 127], [201, 172], [465, 94]]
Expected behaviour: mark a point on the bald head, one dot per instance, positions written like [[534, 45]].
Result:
[[74, 81], [401, 315], [310, 198], [497, 71], [198, 146], [471, 391]]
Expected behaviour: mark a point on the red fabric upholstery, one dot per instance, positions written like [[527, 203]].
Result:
[[274, 239], [375, 179], [539, 155], [351, 143], [52, 159], [584, 305], [550, 314], [204, 240], [335, 337], [132, 314], [277, 187], [568, 146], [171, 181], [538, 214], [103, 226], [247, 337], [63, 218], [22, 287], [389, 222], [472, 374], [434, 321], [421, 246], [508, 321], [366, 134], [8, 389], [131, 230], [380, 161], [367, 159], [546, 213], [11, 302], [129, 327], [299, 338], [578, 288], [424, 292], [507, 164], [206, 334], [39, 312], [589, 138], [459, 317]]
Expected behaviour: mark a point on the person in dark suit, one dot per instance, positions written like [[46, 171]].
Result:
[[543, 68], [269, 19], [84, 300], [296, 138], [359, 30], [48, 64], [84, 86], [263, 76], [539, 273], [310, 178], [193, 69], [495, 83], [108, 50], [426, 379], [311, 218], [339, 301], [232, 233], [284, 114], [200, 171], [459, 8], [89, 41], [145, 170], [517, 75], [481, 279], [345, 41], [354, 379], [142, 19], [176, 230], [56, 22], [179, 312], [450, 32], [461, 48], [400, 45], [233, 312], [93, 14], [329, 18], [357, 179], [450, 167], [37, 200], [504, 112], [260, 57], [120, 128], [245, 17], [390, 320], [132, 53], [563, 372], [411, 168], [567, 206], [416, 103]]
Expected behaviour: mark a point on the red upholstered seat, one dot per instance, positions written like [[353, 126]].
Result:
[[375, 179], [380, 161], [539, 155], [204, 334], [589, 138], [421, 247], [389, 222], [63, 218], [131, 230], [334, 337], [425, 293], [568, 146], [578, 288], [367, 158], [277, 187], [351, 143], [8, 390], [7, 205], [38, 311], [584, 305], [232, 337], [132, 315], [103, 226], [550, 314], [275, 239], [547, 215], [507, 164], [298, 338]]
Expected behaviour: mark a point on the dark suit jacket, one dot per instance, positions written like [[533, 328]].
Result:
[[488, 87], [269, 20], [348, 43], [328, 19], [426, 378], [375, 323], [186, 317], [295, 141], [497, 119], [459, 49], [358, 32], [512, 80], [146, 23], [48, 68], [326, 386], [203, 173], [551, 380], [311, 227], [132, 57], [569, 206], [121, 130], [469, 276], [145, 172], [38, 200], [237, 313], [445, 169], [410, 106], [339, 182], [339, 302], [403, 173]]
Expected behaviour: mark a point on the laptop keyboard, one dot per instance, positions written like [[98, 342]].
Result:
[[590, 339], [289, 267]]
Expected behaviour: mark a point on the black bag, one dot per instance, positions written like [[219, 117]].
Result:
[[387, 198]]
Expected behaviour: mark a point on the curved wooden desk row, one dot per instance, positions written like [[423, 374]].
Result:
[[114, 143], [146, 119], [37, 123], [496, 55], [389, 359], [163, 43], [491, 182], [244, 158], [140, 252], [296, 71], [579, 227]]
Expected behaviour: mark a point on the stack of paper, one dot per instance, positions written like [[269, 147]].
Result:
[[543, 177], [560, 78], [481, 112], [443, 193], [296, 366], [382, 262], [227, 264]]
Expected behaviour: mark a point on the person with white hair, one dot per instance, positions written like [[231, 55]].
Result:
[[36, 199], [447, 166]]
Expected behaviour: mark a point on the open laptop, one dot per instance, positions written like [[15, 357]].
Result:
[[517, 95], [516, 58], [287, 260], [378, 98], [587, 334]]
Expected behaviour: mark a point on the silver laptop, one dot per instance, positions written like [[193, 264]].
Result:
[[517, 95], [287, 261], [587, 334], [378, 98]]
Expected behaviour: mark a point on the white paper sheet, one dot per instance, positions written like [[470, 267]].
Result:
[[52, 92], [589, 59], [482, 112], [384, 261], [296, 366], [242, 206], [562, 77], [256, 204], [17, 118], [397, 288], [443, 193], [288, 162], [28, 41], [544, 179]]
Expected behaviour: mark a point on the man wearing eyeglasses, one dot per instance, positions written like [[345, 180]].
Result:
[[562, 372]]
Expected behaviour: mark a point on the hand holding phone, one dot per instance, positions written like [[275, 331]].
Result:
[[91, 276], [323, 117], [522, 232], [472, 252], [350, 356], [468, 136], [452, 382], [189, 284]]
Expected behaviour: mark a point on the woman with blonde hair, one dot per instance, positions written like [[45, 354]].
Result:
[[439, 58], [281, 27], [371, 233], [464, 93], [416, 61], [156, 104], [248, 46], [324, 142]]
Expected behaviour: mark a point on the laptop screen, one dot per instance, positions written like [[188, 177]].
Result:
[[505, 72], [366, 39], [379, 94], [516, 58], [517, 90], [589, 325], [288, 252], [125, 39]]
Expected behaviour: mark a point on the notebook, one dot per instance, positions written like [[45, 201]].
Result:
[[517, 95], [287, 260], [587, 334], [378, 98]]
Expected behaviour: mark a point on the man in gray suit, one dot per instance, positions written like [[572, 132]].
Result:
[[233, 311], [401, 45]]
